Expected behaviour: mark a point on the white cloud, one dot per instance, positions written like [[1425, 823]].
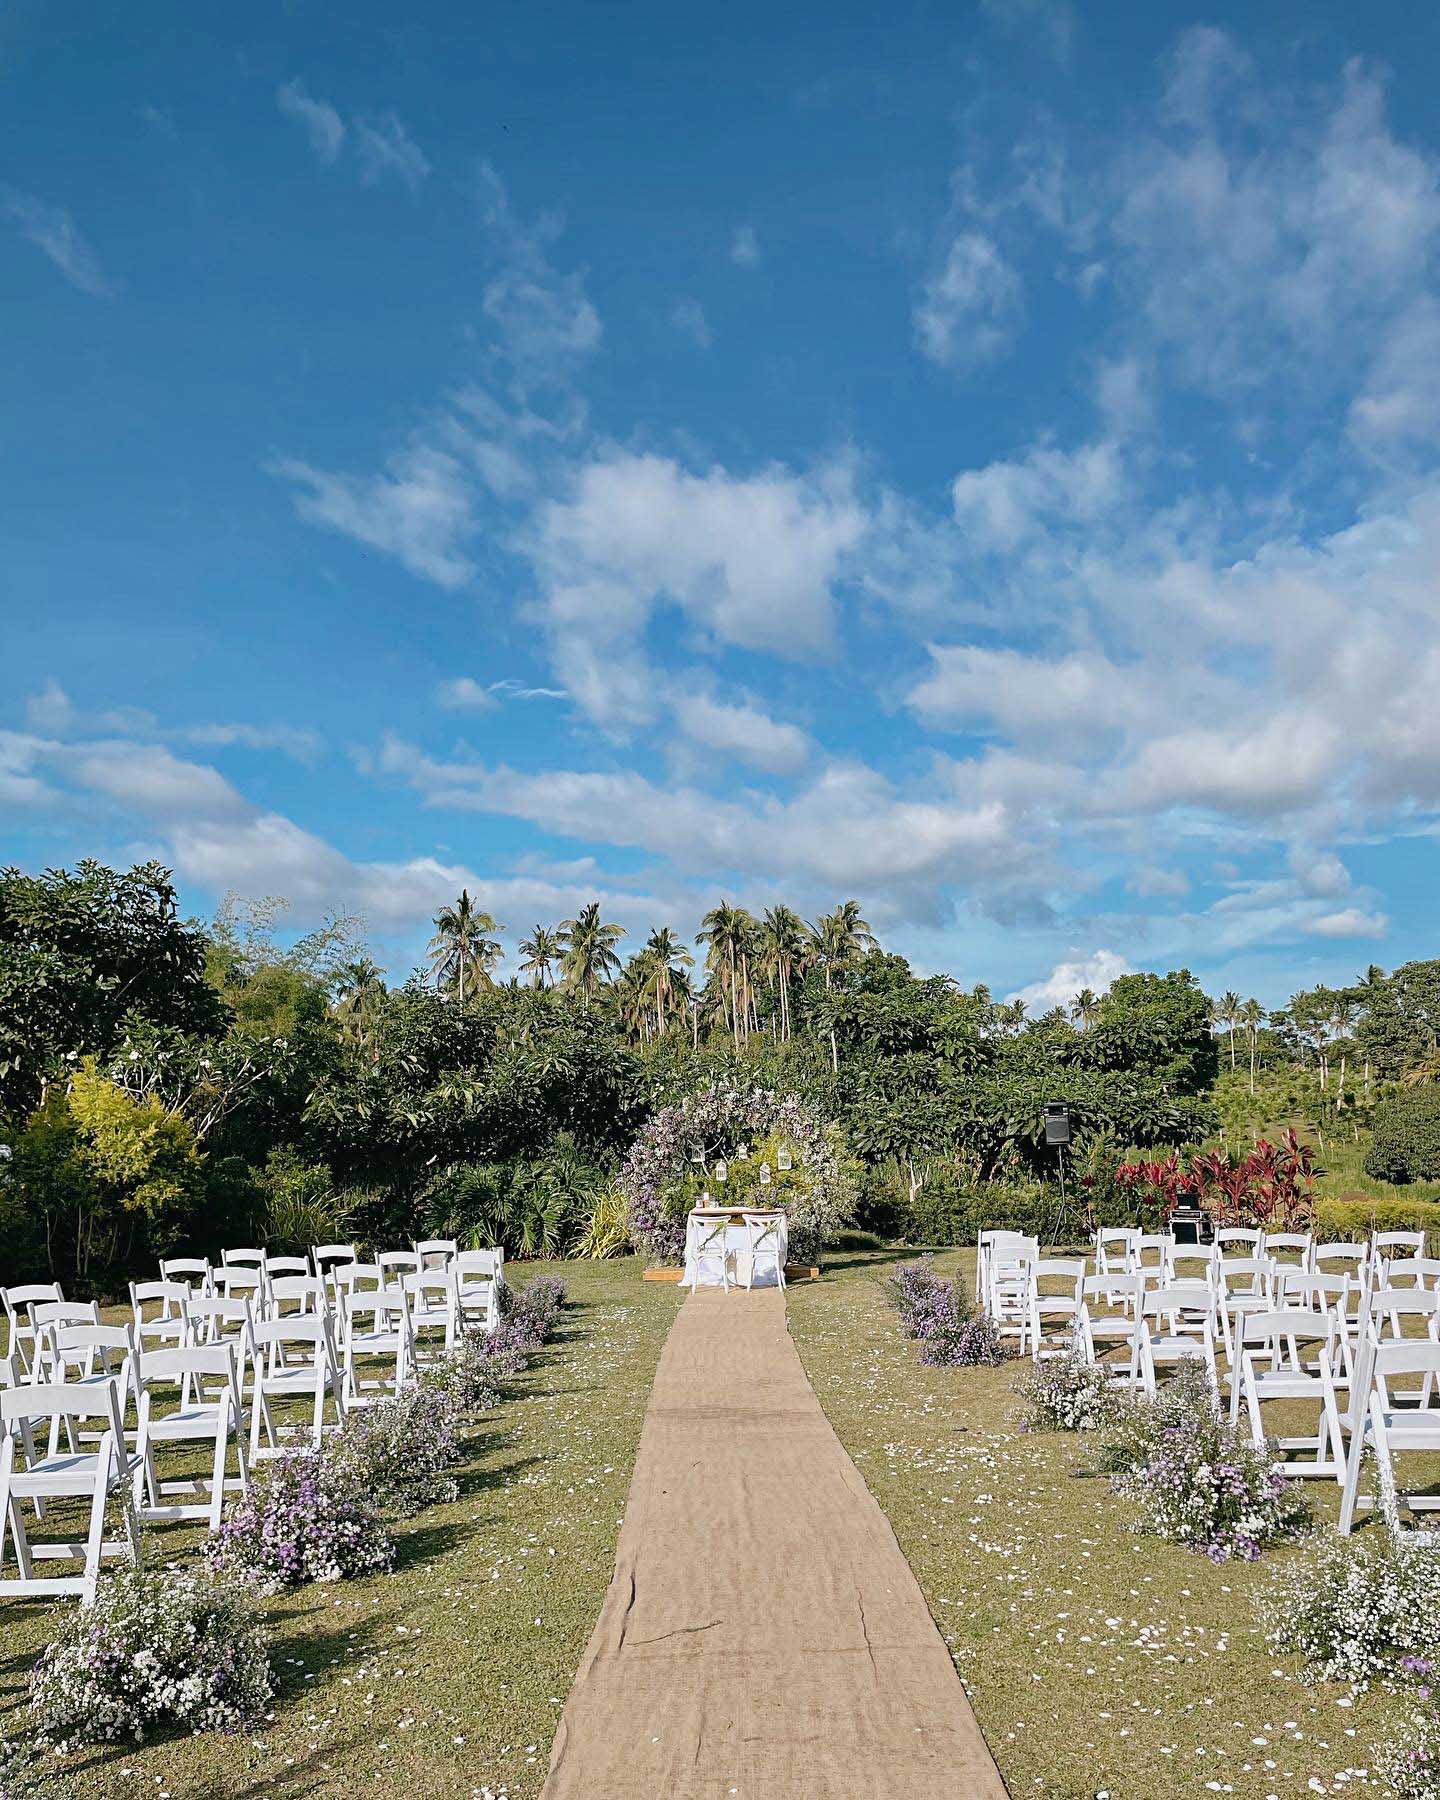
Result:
[[1076, 697], [1003, 504], [55, 234], [745, 247], [1351, 921], [50, 710], [385, 148], [464, 693], [152, 780], [323, 125], [294, 741], [420, 508], [742, 731], [544, 317], [1096, 972], [970, 305], [688, 317]]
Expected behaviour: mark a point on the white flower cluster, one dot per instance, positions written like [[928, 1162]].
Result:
[[1357, 1610], [1067, 1393], [156, 1647], [1410, 1765]]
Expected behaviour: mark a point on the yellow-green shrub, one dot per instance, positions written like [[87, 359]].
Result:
[[1353, 1217]]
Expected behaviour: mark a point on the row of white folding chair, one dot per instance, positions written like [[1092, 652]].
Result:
[[19, 1325], [1385, 1354]]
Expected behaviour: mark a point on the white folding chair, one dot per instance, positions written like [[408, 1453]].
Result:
[[1191, 1262], [355, 1278], [1288, 1249], [90, 1356], [431, 1294], [243, 1281], [395, 1265], [1380, 1425], [45, 1317], [1413, 1271], [1177, 1324], [244, 1258], [196, 1419], [169, 1323], [1109, 1315], [1010, 1281], [436, 1253], [294, 1361], [1271, 1366], [476, 1275], [986, 1244], [326, 1259], [1115, 1250], [1153, 1251], [99, 1475], [1243, 1284], [23, 1426], [1385, 1246], [287, 1267], [1394, 1314], [765, 1247], [20, 1329], [194, 1271], [1239, 1240], [376, 1327], [1058, 1305], [290, 1295]]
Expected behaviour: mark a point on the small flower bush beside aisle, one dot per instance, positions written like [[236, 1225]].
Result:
[[940, 1316], [304, 1519], [398, 1451], [1196, 1479], [1066, 1393], [533, 1314], [158, 1647], [1357, 1610], [1410, 1766]]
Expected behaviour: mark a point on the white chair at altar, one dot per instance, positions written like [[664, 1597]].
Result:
[[761, 1259], [710, 1243]]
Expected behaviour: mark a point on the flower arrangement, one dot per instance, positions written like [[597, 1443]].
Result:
[[1357, 1610], [672, 1161], [398, 1451], [1196, 1479], [534, 1312], [1066, 1393], [940, 1317], [157, 1647], [304, 1519]]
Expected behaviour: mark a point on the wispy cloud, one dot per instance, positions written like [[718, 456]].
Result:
[[382, 147], [323, 125], [55, 234], [543, 315], [688, 317], [745, 247], [419, 508]]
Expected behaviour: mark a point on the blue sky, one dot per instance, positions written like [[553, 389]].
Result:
[[980, 460]]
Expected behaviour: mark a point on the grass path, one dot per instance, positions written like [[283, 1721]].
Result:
[[1098, 1662], [447, 1677]]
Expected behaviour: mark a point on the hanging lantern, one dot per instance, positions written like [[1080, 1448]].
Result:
[[782, 1159], [765, 1174], [743, 1153], [721, 1171]]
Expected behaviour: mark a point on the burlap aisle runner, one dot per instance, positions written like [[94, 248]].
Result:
[[763, 1636]]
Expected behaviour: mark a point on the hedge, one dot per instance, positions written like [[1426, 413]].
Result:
[[1352, 1218], [1405, 1142]]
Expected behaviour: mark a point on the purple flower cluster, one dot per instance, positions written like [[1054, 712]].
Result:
[[304, 1519], [939, 1316], [398, 1451]]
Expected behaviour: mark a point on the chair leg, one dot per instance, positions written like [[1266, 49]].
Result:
[[217, 1478]]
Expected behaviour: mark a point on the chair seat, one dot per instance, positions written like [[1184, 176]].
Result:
[[1409, 1431], [65, 1473], [190, 1421]]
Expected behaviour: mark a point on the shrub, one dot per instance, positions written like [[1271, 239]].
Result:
[[1352, 1217], [1410, 1766], [945, 1212], [1196, 1479], [1066, 1393], [608, 1232], [1405, 1140], [1356, 1611], [535, 1311], [473, 1377], [301, 1206], [303, 1520], [940, 1317], [398, 1451], [157, 1648]]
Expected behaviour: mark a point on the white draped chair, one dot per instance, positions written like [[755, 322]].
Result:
[[766, 1246]]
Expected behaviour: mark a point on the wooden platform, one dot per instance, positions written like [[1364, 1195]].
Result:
[[793, 1272]]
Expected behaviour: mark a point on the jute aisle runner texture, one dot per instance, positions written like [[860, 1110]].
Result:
[[763, 1636]]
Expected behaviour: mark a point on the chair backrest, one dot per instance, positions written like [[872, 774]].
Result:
[[435, 1252], [309, 1290], [1405, 1356], [193, 1270], [64, 1400], [1238, 1234], [388, 1309], [1283, 1322], [398, 1262], [1418, 1271], [169, 1368], [1191, 1262], [239, 1278], [1111, 1287], [1070, 1269], [1281, 1243], [429, 1287], [251, 1258], [288, 1266], [1187, 1297], [170, 1298], [51, 1313], [85, 1346], [1156, 1244], [350, 1278], [325, 1258], [18, 1300], [312, 1329], [1405, 1303], [1319, 1293], [1350, 1256], [1243, 1274], [1397, 1243], [483, 1265]]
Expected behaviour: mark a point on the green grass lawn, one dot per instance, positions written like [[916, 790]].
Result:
[[447, 1677], [1097, 1661]]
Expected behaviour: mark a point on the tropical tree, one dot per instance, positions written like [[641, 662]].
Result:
[[784, 945], [668, 958], [588, 951], [1085, 1008], [728, 932], [359, 990], [1252, 1017], [839, 939], [462, 954], [1226, 1014], [542, 952]]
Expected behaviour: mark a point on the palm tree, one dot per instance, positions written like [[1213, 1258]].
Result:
[[784, 945], [634, 991], [1252, 1017], [669, 958], [1225, 1013], [461, 953], [589, 951], [359, 989], [542, 951], [1342, 1020], [840, 938], [1085, 1009], [728, 932]]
